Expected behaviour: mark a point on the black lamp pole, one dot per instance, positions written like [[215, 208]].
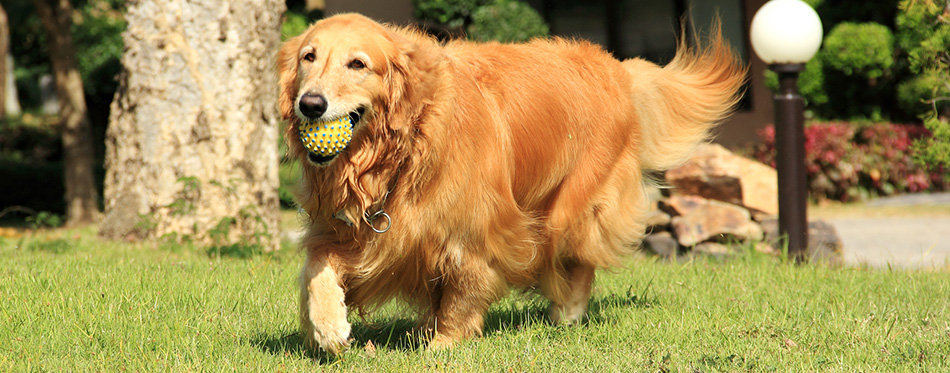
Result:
[[790, 160]]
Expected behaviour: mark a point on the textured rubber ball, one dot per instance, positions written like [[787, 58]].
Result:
[[327, 138]]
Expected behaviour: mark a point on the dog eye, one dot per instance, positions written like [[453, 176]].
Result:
[[309, 57], [356, 64]]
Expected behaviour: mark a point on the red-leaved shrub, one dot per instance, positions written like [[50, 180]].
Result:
[[847, 161]]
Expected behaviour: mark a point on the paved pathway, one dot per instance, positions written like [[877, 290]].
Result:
[[906, 242]]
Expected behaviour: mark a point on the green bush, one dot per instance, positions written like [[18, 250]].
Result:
[[862, 49], [97, 34], [295, 23], [934, 151], [297, 19], [853, 76], [485, 20], [862, 71], [451, 13], [811, 84], [924, 33], [857, 62], [506, 21], [916, 95]]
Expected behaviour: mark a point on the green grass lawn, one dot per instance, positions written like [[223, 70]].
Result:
[[69, 301]]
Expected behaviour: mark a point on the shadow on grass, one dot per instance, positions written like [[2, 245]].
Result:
[[516, 317], [400, 335], [395, 335], [238, 250]]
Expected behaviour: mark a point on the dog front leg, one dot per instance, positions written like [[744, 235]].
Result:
[[322, 306]]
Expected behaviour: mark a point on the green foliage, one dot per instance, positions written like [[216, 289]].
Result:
[[919, 94], [862, 49], [485, 20], [451, 13], [506, 21], [247, 232], [925, 36], [935, 150], [45, 219], [811, 83], [295, 23], [189, 194], [97, 34], [861, 72], [853, 78], [97, 39]]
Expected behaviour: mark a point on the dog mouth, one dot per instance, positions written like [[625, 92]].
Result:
[[320, 153]]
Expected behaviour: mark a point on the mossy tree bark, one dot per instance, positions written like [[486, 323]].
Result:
[[4, 52], [82, 197], [191, 149]]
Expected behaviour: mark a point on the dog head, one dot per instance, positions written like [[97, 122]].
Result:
[[350, 66]]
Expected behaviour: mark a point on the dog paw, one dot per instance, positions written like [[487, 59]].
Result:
[[441, 342], [334, 344], [324, 321], [570, 313], [332, 339]]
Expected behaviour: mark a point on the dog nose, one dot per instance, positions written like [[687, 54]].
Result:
[[313, 106]]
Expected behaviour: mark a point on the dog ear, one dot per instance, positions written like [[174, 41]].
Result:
[[413, 75], [287, 75], [395, 80]]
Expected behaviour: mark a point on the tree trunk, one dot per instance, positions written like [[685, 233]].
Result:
[[191, 149], [78, 154], [4, 52]]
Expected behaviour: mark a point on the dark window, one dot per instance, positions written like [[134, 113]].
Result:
[[647, 29]]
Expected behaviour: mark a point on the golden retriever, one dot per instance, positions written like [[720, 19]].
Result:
[[478, 167]]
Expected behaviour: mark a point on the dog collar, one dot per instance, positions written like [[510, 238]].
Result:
[[371, 218]]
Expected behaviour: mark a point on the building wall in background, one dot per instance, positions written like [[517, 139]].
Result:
[[633, 28], [389, 11]]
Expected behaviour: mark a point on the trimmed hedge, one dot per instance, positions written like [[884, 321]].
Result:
[[485, 20], [506, 21]]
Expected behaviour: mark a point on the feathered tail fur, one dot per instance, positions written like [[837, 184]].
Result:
[[696, 90]]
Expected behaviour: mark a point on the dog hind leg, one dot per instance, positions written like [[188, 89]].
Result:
[[570, 310], [600, 234]]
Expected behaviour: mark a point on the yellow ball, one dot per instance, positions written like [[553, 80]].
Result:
[[327, 138]]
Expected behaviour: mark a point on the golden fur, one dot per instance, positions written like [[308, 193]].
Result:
[[500, 165]]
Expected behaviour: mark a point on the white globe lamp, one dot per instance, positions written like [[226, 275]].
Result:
[[786, 31], [786, 34]]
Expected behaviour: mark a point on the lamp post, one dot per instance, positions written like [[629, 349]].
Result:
[[786, 34]]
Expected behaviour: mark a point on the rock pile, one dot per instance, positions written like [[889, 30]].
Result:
[[717, 200]]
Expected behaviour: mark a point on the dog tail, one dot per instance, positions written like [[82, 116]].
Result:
[[678, 105]]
